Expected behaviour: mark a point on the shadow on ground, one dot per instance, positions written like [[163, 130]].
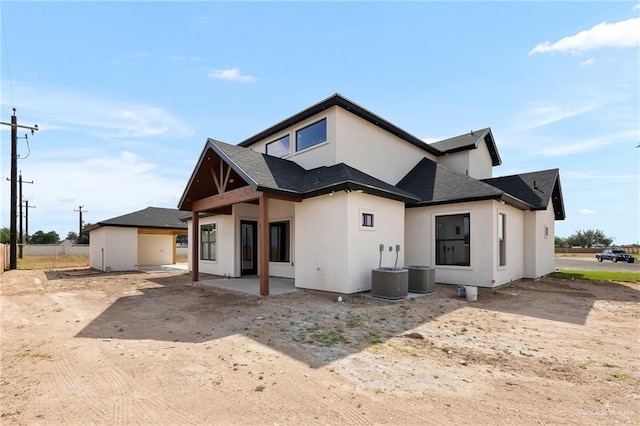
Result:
[[298, 324]]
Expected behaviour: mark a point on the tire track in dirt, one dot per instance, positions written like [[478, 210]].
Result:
[[335, 404], [89, 360], [132, 403]]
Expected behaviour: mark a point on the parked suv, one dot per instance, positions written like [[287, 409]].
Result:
[[615, 254]]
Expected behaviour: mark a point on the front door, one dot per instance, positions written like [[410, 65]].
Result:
[[248, 247]]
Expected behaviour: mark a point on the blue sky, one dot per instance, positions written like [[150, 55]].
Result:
[[125, 94]]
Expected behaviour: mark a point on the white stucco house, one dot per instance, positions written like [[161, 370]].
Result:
[[317, 196], [145, 237]]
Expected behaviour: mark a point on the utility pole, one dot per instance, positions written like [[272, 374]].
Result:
[[13, 261], [80, 211], [21, 235], [26, 217]]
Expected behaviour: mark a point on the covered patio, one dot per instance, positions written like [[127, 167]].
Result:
[[219, 182]]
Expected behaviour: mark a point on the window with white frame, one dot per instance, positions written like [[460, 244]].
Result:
[[280, 147], [453, 240], [208, 237], [311, 135], [502, 241], [279, 241]]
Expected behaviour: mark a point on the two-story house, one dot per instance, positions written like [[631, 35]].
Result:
[[335, 191]]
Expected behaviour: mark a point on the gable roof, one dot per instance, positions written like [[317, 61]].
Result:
[[436, 184], [469, 141], [536, 188], [151, 217], [344, 103], [284, 177]]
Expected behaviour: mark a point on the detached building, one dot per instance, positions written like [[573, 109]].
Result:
[[143, 238]]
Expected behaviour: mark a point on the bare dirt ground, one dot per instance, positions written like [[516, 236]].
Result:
[[154, 349]]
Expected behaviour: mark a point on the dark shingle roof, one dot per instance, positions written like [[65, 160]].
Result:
[[262, 171], [470, 141], [535, 188], [151, 217], [434, 183], [342, 176], [268, 173]]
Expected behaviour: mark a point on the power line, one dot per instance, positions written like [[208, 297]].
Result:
[[80, 211], [13, 261]]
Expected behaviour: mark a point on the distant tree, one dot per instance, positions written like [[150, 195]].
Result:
[[560, 242], [182, 239], [5, 235], [40, 237], [588, 238], [72, 236]]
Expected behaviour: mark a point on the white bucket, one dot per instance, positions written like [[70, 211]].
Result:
[[472, 292]]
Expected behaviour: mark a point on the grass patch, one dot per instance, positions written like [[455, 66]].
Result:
[[620, 276], [621, 376], [325, 338], [53, 262], [354, 321]]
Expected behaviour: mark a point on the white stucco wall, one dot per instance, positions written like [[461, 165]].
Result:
[[476, 163], [97, 237], [120, 247], [458, 161], [480, 162], [333, 252], [356, 142], [323, 154], [374, 151], [539, 257], [321, 240], [224, 263], [514, 268], [155, 249], [364, 243], [420, 241]]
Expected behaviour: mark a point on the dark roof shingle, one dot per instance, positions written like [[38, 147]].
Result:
[[535, 188], [434, 183], [151, 217], [469, 141]]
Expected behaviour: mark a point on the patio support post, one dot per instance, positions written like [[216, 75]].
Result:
[[263, 243], [194, 243], [175, 254]]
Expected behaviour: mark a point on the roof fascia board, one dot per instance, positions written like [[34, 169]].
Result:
[[352, 186]]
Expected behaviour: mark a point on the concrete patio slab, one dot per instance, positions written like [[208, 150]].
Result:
[[251, 285]]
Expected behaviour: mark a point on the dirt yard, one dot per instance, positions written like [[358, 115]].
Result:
[[154, 349]]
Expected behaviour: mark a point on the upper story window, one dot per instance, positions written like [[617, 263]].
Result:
[[280, 147], [311, 135]]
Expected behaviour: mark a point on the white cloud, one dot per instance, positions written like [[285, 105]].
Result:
[[588, 62], [590, 145], [544, 115], [617, 34], [232, 74], [106, 185], [58, 109], [587, 211], [636, 7]]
